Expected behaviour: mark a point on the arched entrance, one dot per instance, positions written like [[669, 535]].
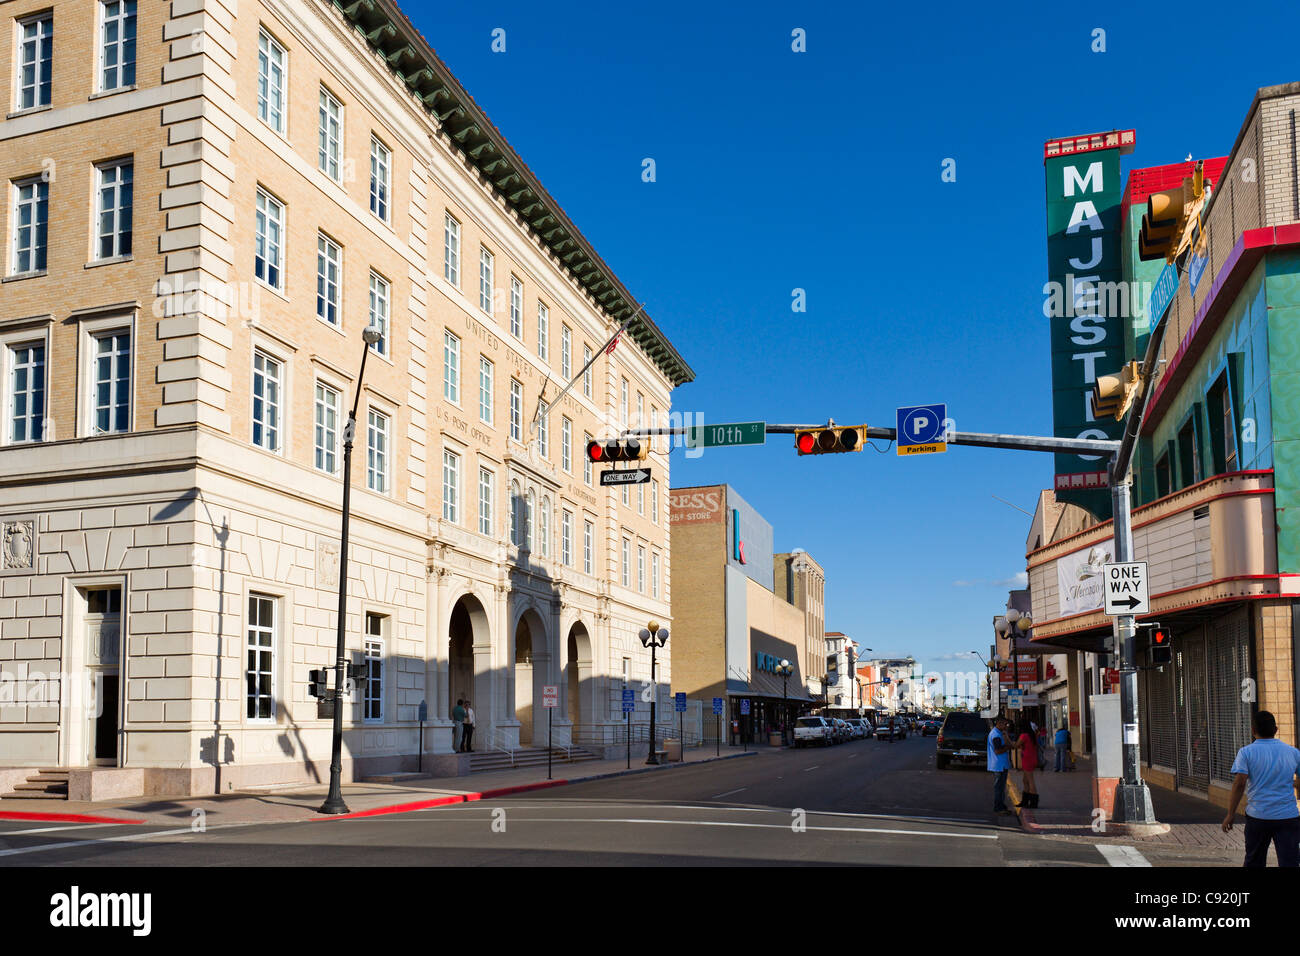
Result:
[[468, 626], [532, 666], [577, 673]]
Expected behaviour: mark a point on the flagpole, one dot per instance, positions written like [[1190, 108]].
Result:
[[604, 349]]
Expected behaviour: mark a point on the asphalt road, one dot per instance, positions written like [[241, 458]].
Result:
[[860, 803]]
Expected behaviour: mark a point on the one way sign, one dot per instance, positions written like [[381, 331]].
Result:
[[1126, 588]]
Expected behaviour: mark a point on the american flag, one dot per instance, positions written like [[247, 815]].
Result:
[[613, 343]]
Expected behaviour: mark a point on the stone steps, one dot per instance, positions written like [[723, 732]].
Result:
[[48, 784]]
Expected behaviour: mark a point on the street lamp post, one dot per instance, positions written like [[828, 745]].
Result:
[[653, 636], [334, 800], [785, 670]]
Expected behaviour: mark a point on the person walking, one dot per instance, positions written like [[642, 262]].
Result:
[[457, 725], [1062, 744], [1027, 744], [999, 763], [469, 728], [1266, 772]]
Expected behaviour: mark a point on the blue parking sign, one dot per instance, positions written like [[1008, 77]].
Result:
[[717, 705], [680, 701], [629, 700], [922, 429], [744, 708]]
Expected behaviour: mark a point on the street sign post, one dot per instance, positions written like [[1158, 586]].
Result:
[[626, 476], [922, 430], [744, 712], [629, 705], [727, 433], [550, 700], [1126, 588], [717, 720]]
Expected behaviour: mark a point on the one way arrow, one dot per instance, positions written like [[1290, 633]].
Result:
[[1130, 602]]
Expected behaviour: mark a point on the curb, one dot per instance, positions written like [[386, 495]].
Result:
[[61, 817], [520, 788]]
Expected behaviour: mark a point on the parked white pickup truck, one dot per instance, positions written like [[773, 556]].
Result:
[[813, 732]]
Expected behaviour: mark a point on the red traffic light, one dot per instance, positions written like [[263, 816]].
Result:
[[805, 443], [595, 451]]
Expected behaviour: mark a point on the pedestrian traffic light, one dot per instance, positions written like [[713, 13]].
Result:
[[829, 440], [1113, 395], [1162, 650], [615, 449], [1172, 220], [318, 684]]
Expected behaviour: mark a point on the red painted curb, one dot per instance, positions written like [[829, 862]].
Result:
[[61, 817], [445, 801], [506, 791]]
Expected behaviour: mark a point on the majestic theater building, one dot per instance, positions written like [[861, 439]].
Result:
[[206, 205]]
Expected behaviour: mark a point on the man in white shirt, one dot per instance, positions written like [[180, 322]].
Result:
[[469, 728]]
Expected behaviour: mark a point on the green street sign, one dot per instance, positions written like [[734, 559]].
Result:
[[729, 433]]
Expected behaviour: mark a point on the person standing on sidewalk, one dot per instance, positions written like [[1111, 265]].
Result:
[[469, 728], [1266, 772], [1028, 746], [457, 725], [999, 763], [1062, 744]]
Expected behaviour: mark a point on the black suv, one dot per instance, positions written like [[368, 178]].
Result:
[[963, 737]]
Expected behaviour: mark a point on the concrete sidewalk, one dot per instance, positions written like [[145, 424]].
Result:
[[1067, 811], [299, 803]]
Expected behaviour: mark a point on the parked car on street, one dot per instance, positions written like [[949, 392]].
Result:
[[884, 731], [861, 729], [842, 730], [813, 732], [963, 737]]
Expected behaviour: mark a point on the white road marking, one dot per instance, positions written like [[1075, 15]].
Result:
[[752, 826], [813, 767], [728, 793], [70, 826], [139, 837], [1122, 855]]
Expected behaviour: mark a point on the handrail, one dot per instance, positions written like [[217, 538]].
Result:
[[499, 739]]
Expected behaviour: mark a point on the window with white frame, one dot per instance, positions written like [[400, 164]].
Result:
[[543, 332], [26, 391], [627, 563], [640, 499], [486, 483], [116, 44], [485, 262], [654, 574], [259, 673], [622, 404], [566, 356], [516, 410], [588, 545], [450, 486], [31, 221], [326, 429], [640, 569], [566, 444], [586, 375], [268, 253], [271, 86], [329, 273], [586, 459], [545, 521], [377, 451], [640, 410], [450, 367], [529, 501], [379, 312], [451, 250], [625, 496], [485, 379], [543, 431], [110, 382], [515, 505], [114, 208], [380, 173], [35, 60], [267, 374], [516, 308], [654, 500], [329, 145], [566, 538], [373, 699]]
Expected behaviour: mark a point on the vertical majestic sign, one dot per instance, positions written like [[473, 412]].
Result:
[[1085, 299]]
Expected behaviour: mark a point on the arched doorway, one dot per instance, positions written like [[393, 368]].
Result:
[[577, 673], [532, 670], [468, 626]]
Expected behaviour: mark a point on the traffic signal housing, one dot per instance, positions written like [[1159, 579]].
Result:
[[1173, 218], [1162, 650], [1114, 395], [318, 685], [617, 449], [829, 440]]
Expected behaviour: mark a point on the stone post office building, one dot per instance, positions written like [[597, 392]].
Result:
[[206, 204]]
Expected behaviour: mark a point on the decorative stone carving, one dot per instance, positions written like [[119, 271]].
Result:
[[19, 544], [327, 564]]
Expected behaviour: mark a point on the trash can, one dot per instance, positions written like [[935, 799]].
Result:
[[673, 750], [774, 739]]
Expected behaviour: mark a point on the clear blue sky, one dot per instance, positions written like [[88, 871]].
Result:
[[821, 170]]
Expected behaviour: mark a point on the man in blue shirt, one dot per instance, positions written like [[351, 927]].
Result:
[[1265, 771], [1062, 744], [999, 758]]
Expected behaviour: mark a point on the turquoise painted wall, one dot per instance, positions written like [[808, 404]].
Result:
[[1282, 281]]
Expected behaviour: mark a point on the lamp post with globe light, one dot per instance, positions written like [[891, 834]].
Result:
[[785, 669], [653, 636]]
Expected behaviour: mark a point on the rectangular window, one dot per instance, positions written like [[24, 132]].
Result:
[[586, 459], [451, 486], [374, 661], [1223, 427], [640, 499], [543, 333], [26, 392], [1164, 485], [326, 435], [380, 166], [588, 545], [516, 411], [451, 368], [271, 87], [379, 312], [269, 241], [485, 263], [654, 574], [1189, 450], [329, 271], [31, 219], [625, 496], [586, 375], [260, 673], [485, 497], [266, 401], [640, 569], [627, 563], [377, 452], [640, 410], [654, 500], [114, 212], [111, 382], [622, 404], [451, 251], [329, 146], [566, 538], [484, 390], [516, 308], [543, 432], [35, 58], [566, 445], [116, 45], [566, 348]]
